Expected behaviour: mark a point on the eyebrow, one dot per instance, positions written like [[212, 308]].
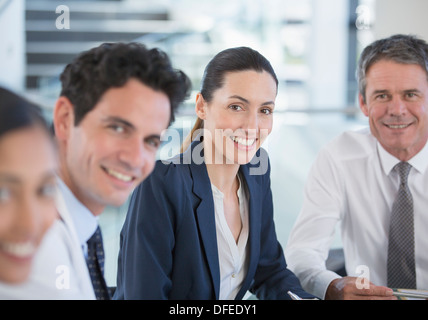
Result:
[[49, 175], [387, 91], [411, 90], [248, 102], [8, 178], [129, 125], [12, 179], [153, 136], [379, 91], [119, 120]]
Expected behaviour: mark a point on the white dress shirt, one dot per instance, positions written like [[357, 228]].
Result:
[[59, 269], [84, 221], [352, 183], [232, 256]]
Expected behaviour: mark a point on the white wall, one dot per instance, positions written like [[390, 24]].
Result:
[[12, 45], [401, 16]]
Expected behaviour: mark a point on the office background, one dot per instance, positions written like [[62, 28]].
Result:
[[313, 45]]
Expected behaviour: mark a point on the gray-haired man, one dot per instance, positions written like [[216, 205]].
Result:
[[356, 181]]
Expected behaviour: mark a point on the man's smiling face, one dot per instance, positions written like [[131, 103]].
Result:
[[114, 146], [397, 107]]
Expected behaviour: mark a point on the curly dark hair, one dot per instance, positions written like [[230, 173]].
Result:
[[95, 71]]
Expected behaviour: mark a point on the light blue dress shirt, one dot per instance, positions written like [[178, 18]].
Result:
[[84, 221]]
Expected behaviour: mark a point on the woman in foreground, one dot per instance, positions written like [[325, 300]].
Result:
[[27, 185]]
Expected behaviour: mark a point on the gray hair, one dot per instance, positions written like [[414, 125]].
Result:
[[405, 49]]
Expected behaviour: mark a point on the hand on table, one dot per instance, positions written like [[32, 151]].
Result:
[[347, 289]]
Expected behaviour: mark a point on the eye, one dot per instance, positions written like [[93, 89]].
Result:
[[5, 194], [411, 95], [382, 96], [235, 107], [153, 142], [266, 111], [117, 128], [47, 190]]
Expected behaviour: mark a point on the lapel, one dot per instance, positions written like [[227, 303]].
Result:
[[255, 212], [204, 212], [205, 217]]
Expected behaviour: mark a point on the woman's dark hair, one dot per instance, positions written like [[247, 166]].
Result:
[[18, 113], [226, 61], [110, 65], [232, 60]]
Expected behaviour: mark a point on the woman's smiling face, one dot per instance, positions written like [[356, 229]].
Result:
[[27, 198], [239, 117]]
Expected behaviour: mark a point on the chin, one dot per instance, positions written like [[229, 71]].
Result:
[[243, 158], [17, 276], [114, 199], [118, 201]]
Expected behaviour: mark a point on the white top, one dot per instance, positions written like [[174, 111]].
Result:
[[59, 270], [84, 221], [232, 256], [352, 183]]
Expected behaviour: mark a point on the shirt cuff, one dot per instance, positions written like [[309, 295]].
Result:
[[322, 282]]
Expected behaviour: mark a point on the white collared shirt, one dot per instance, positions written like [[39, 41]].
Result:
[[232, 256], [84, 221], [352, 184]]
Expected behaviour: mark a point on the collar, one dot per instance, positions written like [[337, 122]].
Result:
[[84, 221], [388, 161]]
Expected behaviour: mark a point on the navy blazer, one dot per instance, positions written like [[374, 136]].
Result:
[[168, 245]]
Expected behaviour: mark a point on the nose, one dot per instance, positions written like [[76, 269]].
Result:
[[28, 219], [133, 154], [251, 121], [397, 107]]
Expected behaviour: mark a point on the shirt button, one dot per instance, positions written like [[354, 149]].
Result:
[[233, 275]]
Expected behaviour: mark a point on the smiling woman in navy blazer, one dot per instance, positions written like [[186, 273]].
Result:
[[201, 226]]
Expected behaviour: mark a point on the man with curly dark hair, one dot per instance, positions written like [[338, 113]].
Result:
[[116, 100]]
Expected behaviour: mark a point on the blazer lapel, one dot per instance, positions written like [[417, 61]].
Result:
[[206, 219], [255, 212]]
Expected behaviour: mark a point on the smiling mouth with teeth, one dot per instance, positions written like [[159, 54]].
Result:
[[118, 175], [397, 126], [20, 250], [243, 141]]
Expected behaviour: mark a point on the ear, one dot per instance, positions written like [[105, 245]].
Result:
[[200, 106], [363, 105], [63, 118]]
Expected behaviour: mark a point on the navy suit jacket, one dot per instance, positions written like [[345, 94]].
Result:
[[168, 245]]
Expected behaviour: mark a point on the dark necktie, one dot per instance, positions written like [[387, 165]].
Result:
[[401, 249], [95, 262]]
